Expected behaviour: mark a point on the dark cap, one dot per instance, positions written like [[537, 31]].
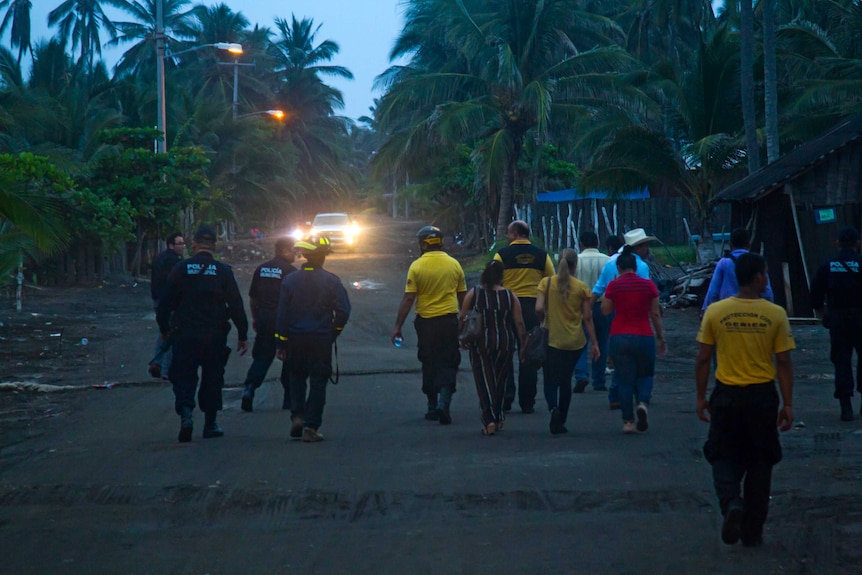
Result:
[[205, 235], [848, 236]]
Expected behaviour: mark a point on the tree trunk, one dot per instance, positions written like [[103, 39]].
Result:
[[746, 69], [770, 81], [507, 186]]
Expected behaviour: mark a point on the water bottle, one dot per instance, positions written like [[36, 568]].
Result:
[[398, 342]]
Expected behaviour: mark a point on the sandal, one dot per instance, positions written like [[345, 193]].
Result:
[[489, 429]]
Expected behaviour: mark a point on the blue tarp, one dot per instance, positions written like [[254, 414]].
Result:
[[572, 194]]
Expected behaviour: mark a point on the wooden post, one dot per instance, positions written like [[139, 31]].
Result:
[[788, 291]]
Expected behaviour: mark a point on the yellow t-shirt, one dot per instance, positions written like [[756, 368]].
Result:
[[746, 333], [563, 317], [436, 278], [522, 281]]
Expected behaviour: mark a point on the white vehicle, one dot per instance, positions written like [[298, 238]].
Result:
[[338, 227]]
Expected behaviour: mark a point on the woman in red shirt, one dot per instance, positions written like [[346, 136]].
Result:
[[633, 345]]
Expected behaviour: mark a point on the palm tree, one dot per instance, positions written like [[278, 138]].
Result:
[[18, 15], [497, 73], [82, 21]]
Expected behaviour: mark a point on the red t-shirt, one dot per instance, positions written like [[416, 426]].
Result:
[[632, 297]]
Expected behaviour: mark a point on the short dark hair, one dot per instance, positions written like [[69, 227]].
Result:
[[614, 243], [740, 238], [589, 239], [520, 228], [626, 260], [205, 235], [848, 236], [172, 238], [492, 274], [748, 265], [284, 244]]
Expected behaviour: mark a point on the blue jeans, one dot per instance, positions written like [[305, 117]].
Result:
[[634, 369], [602, 324], [557, 369]]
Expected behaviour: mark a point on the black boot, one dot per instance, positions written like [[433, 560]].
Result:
[[846, 409], [211, 428], [247, 399], [186, 424]]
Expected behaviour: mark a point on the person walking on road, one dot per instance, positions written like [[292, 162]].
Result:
[[435, 283], [723, 283], [312, 311], [566, 302], [162, 266], [491, 356], [747, 333], [837, 287], [524, 266], [591, 262], [263, 300], [634, 343], [639, 242], [200, 299]]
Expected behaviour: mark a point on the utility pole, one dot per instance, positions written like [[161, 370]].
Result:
[[161, 145]]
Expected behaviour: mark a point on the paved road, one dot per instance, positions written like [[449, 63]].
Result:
[[106, 488]]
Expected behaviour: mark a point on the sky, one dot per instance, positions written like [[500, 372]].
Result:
[[365, 31]]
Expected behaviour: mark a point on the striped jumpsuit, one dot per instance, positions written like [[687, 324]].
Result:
[[491, 357]]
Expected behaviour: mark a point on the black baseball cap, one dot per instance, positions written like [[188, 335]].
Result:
[[205, 235]]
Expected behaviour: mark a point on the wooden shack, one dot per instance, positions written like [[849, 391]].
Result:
[[795, 206]]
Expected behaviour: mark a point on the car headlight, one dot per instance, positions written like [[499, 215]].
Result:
[[297, 234]]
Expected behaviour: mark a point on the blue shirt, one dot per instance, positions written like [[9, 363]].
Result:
[[724, 284], [609, 272]]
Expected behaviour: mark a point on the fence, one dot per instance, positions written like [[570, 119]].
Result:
[[669, 219]]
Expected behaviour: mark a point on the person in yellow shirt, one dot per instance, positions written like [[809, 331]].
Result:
[[435, 283], [524, 266], [746, 332]]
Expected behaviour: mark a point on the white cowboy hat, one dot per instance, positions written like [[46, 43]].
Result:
[[637, 236]]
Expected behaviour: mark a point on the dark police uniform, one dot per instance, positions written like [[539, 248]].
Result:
[[838, 283], [264, 293], [524, 267], [162, 266], [201, 297], [312, 311]]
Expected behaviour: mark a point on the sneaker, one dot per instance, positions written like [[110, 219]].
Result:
[[445, 417], [628, 427], [556, 421], [580, 385], [609, 371], [185, 434], [310, 435], [213, 430], [643, 422], [155, 370], [433, 414], [296, 424], [731, 529], [615, 405], [846, 409], [246, 403]]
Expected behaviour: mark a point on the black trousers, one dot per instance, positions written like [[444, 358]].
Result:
[[310, 365], [845, 337], [528, 377], [743, 447], [207, 351], [439, 352], [263, 354]]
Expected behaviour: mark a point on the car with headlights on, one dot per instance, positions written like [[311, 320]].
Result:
[[337, 226]]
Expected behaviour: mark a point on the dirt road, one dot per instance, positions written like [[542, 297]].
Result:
[[93, 481]]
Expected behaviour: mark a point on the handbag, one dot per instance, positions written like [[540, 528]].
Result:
[[473, 328], [536, 345]]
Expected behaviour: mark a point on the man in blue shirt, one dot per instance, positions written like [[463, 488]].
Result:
[[640, 241], [723, 283]]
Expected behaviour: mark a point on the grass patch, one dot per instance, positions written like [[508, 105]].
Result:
[[670, 255]]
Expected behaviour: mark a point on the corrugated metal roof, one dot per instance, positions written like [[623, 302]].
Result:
[[800, 160]]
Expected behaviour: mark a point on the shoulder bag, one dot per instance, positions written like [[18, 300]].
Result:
[[473, 328], [536, 346]]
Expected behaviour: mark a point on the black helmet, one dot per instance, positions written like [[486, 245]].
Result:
[[430, 236], [315, 245]]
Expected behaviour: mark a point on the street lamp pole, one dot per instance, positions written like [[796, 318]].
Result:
[[162, 144]]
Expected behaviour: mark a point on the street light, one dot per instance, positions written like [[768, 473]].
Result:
[[162, 145], [277, 114]]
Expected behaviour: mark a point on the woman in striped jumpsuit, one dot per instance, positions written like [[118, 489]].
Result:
[[491, 357]]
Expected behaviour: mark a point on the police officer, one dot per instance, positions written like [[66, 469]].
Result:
[[524, 266], [435, 282], [263, 300], [162, 266], [201, 296], [838, 287], [312, 311]]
